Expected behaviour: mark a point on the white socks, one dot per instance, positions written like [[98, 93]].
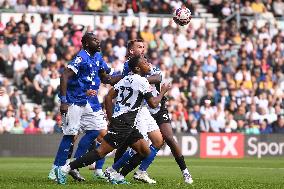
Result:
[[185, 171], [66, 168], [98, 171]]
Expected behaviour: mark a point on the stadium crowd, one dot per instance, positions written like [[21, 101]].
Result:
[[223, 80]]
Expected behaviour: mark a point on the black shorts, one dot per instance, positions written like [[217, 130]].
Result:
[[162, 116], [120, 132]]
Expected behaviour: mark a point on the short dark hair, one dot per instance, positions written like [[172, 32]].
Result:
[[131, 43], [86, 38], [133, 62]]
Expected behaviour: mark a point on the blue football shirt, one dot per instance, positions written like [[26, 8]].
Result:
[[86, 69]]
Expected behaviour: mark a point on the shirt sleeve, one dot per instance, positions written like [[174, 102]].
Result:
[[126, 69], [75, 64], [145, 87], [156, 70], [104, 66]]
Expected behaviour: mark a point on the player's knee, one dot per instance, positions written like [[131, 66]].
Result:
[[145, 151], [101, 135], [158, 143], [156, 139], [100, 152]]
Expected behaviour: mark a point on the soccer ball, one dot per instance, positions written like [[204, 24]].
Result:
[[182, 16]]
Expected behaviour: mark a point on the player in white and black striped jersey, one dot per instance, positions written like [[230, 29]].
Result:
[[129, 93]]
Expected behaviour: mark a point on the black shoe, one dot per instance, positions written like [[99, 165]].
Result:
[[75, 174]]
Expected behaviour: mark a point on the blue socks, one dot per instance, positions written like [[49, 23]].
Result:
[[147, 161], [63, 150], [123, 160], [99, 163], [86, 142]]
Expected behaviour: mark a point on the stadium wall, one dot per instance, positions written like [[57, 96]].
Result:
[[206, 145]]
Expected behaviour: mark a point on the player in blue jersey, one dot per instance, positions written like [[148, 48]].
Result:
[[80, 108], [129, 93], [160, 114]]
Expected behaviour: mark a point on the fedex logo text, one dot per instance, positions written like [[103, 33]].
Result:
[[221, 145]]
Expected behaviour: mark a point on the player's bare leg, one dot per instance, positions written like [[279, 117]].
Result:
[[157, 142], [168, 136], [83, 161], [98, 165]]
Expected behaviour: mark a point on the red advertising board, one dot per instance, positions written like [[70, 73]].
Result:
[[213, 145]]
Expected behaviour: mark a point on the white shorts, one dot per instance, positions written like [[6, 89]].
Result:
[[82, 118], [145, 123]]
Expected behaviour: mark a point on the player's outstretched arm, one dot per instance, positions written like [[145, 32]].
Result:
[[63, 88], [108, 102], [153, 102], [154, 79], [108, 79]]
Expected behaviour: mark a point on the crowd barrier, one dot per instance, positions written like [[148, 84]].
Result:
[[205, 145]]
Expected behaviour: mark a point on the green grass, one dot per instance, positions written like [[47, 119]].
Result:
[[212, 173]]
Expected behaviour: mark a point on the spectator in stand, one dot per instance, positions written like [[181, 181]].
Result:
[[253, 128], [4, 54], [37, 116], [54, 8], [120, 50], [147, 34], [122, 33], [20, 65], [231, 125], [265, 127], [8, 121], [17, 129], [24, 22], [14, 48], [94, 5], [31, 129], [24, 120], [58, 125], [278, 125], [16, 99], [4, 101], [54, 80], [43, 7], [257, 7], [193, 127], [226, 10], [33, 6], [46, 125], [20, 6], [42, 86], [114, 26], [28, 78], [278, 7], [28, 48]]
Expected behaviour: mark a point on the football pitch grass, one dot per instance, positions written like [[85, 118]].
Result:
[[207, 173]]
